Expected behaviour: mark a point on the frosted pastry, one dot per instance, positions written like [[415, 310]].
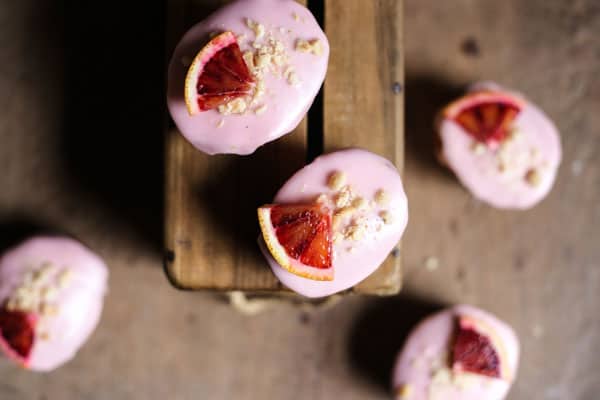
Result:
[[334, 222], [51, 291], [246, 75], [502, 148], [461, 353]]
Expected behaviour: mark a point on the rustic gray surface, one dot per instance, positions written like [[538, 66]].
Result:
[[80, 151]]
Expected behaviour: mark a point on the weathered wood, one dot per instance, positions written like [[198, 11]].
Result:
[[363, 100], [210, 219]]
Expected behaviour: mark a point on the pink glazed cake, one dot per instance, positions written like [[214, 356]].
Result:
[[429, 368], [504, 149], [369, 210], [51, 290], [286, 52]]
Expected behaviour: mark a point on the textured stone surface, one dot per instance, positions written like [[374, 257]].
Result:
[[80, 151]]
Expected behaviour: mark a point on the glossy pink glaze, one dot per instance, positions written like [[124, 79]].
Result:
[[430, 342], [366, 173], [479, 173], [286, 104], [79, 303]]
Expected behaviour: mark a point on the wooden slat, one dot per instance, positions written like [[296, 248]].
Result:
[[210, 219], [362, 108], [211, 201]]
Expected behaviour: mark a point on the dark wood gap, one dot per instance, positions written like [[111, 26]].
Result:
[[315, 116]]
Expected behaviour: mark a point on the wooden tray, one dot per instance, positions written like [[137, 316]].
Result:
[[210, 201]]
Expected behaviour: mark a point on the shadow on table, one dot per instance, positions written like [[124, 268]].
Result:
[[425, 96], [114, 110], [16, 228], [379, 333]]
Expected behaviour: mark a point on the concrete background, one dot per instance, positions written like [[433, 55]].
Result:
[[81, 124]]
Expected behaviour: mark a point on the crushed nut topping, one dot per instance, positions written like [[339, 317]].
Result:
[[260, 109], [236, 106], [386, 216], [38, 289], [296, 17], [478, 148], [336, 180], [313, 46], [404, 392], [220, 123], [533, 177], [257, 28], [343, 198], [382, 198], [359, 203]]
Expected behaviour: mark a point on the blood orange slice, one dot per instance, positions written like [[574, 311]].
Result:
[[299, 238], [17, 334], [477, 350], [217, 75], [487, 116]]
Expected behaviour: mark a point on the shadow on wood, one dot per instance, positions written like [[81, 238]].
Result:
[[379, 333]]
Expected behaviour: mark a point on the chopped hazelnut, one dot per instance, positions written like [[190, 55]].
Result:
[[533, 177], [257, 28], [386, 216], [478, 148], [260, 109], [313, 46], [236, 106], [404, 392], [382, 198], [336, 180], [65, 276], [359, 203]]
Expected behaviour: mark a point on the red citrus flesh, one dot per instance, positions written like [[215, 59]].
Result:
[[304, 231], [474, 352], [17, 333], [487, 116], [217, 75]]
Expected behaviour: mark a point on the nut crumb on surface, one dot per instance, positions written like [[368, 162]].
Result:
[[431, 263], [220, 123], [336, 180], [533, 177], [296, 17], [313, 46]]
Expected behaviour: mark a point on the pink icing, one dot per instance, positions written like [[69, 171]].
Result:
[[480, 174], [79, 303], [430, 340], [286, 104], [366, 173]]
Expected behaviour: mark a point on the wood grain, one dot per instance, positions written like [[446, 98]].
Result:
[[362, 109], [210, 201]]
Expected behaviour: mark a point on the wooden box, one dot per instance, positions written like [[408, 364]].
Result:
[[210, 201]]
